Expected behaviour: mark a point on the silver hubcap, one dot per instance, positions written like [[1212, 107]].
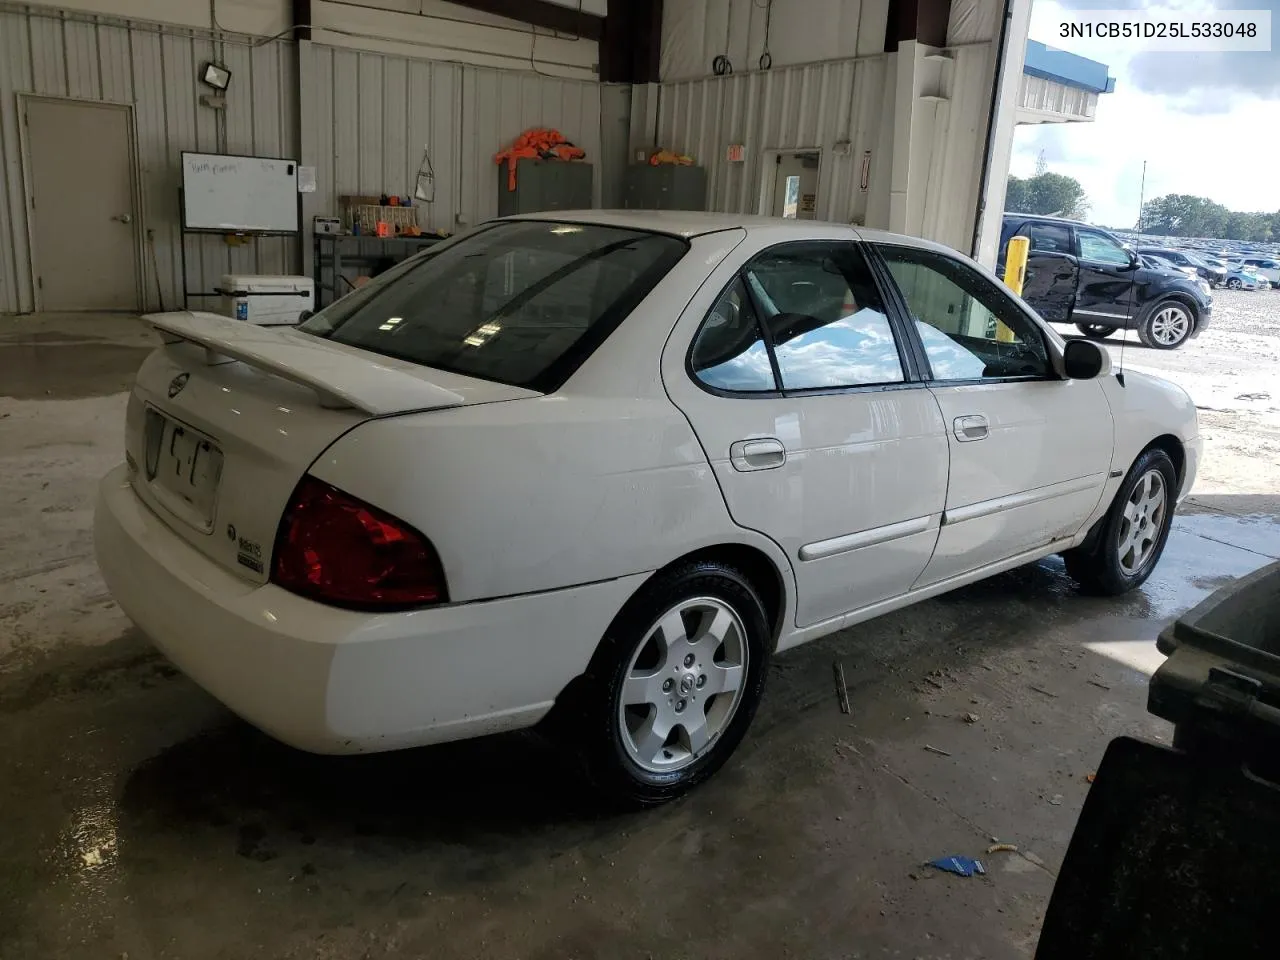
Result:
[[1170, 325], [1144, 515], [683, 684]]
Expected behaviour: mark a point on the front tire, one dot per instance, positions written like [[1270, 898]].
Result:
[[1168, 326], [674, 684], [1134, 531], [1096, 331], [1234, 284]]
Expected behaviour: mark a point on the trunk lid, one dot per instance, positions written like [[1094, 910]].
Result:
[[226, 417]]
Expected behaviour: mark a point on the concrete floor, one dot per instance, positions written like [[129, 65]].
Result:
[[142, 820]]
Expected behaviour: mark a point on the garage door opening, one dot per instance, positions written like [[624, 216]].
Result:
[[789, 185]]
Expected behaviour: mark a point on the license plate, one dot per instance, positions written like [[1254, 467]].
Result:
[[183, 468]]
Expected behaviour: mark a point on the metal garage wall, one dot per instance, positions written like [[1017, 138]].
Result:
[[813, 106], [375, 114], [845, 108], [154, 68], [497, 106]]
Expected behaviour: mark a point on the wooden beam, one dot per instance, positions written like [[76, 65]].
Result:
[[923, 20], [540, 13]]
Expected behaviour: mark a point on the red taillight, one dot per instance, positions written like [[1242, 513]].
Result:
[[336, 549]]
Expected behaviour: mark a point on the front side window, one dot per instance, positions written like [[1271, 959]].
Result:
[[520, 302], [1100, 248], [969, 328]]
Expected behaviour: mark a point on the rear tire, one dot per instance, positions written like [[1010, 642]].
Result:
[[1169, 324], [1134, 531], [1096, 331], [673, 686], [1234, 284]]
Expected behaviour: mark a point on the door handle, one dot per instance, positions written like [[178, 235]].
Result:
[[123, 218], [766, 453], [969, 428]]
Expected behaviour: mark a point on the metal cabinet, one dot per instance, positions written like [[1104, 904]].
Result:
[[665, 187], [545, 185]]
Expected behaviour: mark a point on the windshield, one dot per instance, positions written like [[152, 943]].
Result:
[[521, 302]]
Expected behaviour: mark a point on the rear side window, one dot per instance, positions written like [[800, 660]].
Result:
[[809, 309], [520, 302], [729, 352], [1048, 237]]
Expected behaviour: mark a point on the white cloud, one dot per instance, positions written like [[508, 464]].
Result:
[[1204, 138]]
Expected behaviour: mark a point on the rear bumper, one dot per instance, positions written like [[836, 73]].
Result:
[[339, 681]]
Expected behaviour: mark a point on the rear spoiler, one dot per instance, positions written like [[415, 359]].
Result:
[[341, 380]]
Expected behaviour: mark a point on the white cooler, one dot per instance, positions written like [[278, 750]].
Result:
[[267, 300]]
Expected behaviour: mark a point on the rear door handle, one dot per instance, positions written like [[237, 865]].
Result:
[[969, 428], [766, 453]]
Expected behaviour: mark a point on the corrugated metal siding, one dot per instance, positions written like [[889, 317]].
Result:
[[376, 113], [1048, 96], [820, 105], [813, 106], [105, 59]]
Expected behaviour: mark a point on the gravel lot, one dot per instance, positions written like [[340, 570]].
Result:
[[1232, 371]]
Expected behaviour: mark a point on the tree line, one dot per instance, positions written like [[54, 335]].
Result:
[[1182, 215], [1174, 215]]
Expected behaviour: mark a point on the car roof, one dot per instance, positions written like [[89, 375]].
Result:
[[696, 223], [1044, 218]]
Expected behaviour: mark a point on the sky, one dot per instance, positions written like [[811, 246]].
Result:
[[1206, 123]]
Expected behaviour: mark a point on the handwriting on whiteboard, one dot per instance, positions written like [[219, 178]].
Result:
[[218, 167]]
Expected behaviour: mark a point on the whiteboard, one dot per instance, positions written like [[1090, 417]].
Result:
[[240, 194]]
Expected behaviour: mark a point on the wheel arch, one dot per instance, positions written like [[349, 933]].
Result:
[[759, 569], [1174, 448], [1167, 442], [762, 571]]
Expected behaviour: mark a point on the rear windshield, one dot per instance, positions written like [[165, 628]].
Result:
[[521, 302]]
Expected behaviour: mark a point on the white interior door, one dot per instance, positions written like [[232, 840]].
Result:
[[82, 204]]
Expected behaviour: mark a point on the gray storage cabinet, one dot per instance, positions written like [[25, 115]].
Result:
[[545, 185], [665, 187]]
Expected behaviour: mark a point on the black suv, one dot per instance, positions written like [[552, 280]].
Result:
[[1082, 275]]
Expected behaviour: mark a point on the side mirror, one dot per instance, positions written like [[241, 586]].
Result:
[[1134, 260], [1085, 360]]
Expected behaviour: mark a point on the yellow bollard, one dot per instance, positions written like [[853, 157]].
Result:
[[1015, 274]]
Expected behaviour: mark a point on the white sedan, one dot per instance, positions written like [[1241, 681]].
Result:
[[600, 468]]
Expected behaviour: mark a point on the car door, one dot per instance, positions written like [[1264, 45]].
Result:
[[1030, 452], [794, 379], [1052, 270], [1105, 290]]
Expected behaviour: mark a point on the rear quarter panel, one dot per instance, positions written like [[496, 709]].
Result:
[[601, 480]]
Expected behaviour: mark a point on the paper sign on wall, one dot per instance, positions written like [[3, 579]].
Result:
[[306, 179]]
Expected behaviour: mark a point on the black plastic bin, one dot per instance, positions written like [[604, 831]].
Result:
[[1220, 686], [1177, 851]]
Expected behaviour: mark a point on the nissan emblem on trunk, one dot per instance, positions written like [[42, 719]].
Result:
[[177, 383]]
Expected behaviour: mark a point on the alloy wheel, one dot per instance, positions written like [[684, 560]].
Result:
[[1141, 523], [1170, 325], [683, 685]]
